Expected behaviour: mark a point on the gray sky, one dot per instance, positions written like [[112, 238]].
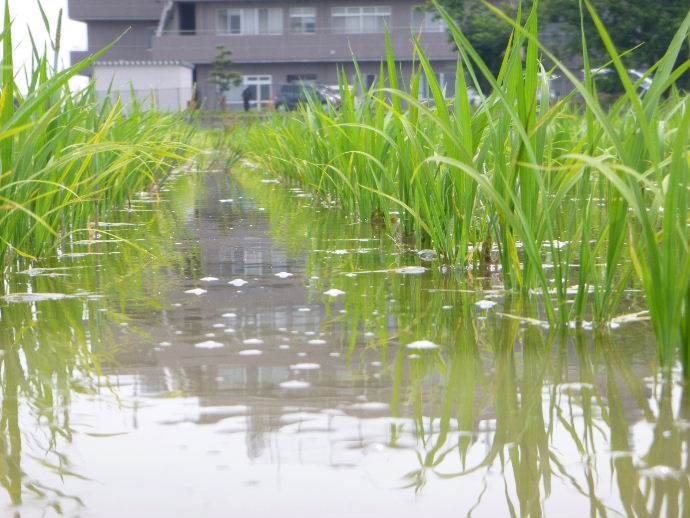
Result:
[[26, 14]]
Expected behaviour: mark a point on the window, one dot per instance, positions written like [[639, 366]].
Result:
[[447, 82], [357, 20], [249, 21], [427, 21], [303, 20], [302, 79]]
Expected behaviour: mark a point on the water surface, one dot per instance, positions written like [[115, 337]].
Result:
[[251, 352]]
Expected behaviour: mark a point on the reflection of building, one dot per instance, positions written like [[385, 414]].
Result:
[[273, 42]]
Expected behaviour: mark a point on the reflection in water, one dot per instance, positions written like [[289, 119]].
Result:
[[135, 398]]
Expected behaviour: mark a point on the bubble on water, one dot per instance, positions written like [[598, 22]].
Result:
[[283, 275], [229, 330], [301, 355], [340, 252], [209, 344], [413, 357], [229, 315], [370, 406], [317, 341], [227, 200], [252, 341], [283, 347], [447, 307], [661, 472], [305, 366], [334, 355], [208, 279], [485, 304], [165, 344], [283, 329], [218, 326], [294, 384], [210, 335], [250, 352], [427, 255], [342, 311], [196, 291], [304, 310], [334, 292], [422, 344], [376, 364], [410, 270], [178, 332], [309, 333], [238, 282], [35, 297]]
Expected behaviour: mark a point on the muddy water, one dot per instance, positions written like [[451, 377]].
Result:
[[251, 353]]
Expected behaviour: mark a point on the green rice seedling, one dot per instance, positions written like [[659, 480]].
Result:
[[573, 202], [67, 156]]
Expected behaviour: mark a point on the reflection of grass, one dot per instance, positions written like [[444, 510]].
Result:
[[52, 350], [567, 194], [500, 395]]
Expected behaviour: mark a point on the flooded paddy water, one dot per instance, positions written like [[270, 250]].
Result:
[[248, 352]]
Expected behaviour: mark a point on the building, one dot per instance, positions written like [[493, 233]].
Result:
[[274, 42]]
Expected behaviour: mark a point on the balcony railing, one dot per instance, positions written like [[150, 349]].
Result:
[[324, 45]]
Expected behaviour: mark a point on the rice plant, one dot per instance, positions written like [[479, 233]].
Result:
[[575, 203], [67, 156]]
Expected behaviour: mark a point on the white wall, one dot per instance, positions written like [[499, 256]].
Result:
[[170, 85]]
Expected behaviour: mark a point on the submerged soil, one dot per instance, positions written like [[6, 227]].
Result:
[[251, 352]]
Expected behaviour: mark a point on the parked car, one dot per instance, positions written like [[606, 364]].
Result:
[[608, 82], [290, 96]]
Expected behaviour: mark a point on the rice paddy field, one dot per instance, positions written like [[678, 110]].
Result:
[[394, 307]]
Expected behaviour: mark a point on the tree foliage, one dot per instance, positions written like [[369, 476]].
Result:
[[647, 27], [221, 72]]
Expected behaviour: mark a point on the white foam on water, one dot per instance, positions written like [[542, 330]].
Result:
[[218, 326], [334, 292], [238, 282], [196, 291], [250, 352], [210, 335], [229, 330], [294, 384], [370, 406], [227, 200], [334, 355], [485, 304], [422, 345], [229, 315], [165, 344], [208, 279], [253, 341], [410, 270], [209, 344], [283, 347], [283, 275], [35, 297], [304, 310], [305, 366], [317, 341]]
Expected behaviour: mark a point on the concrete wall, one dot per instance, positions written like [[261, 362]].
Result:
[[86, 10], [170, 85]]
